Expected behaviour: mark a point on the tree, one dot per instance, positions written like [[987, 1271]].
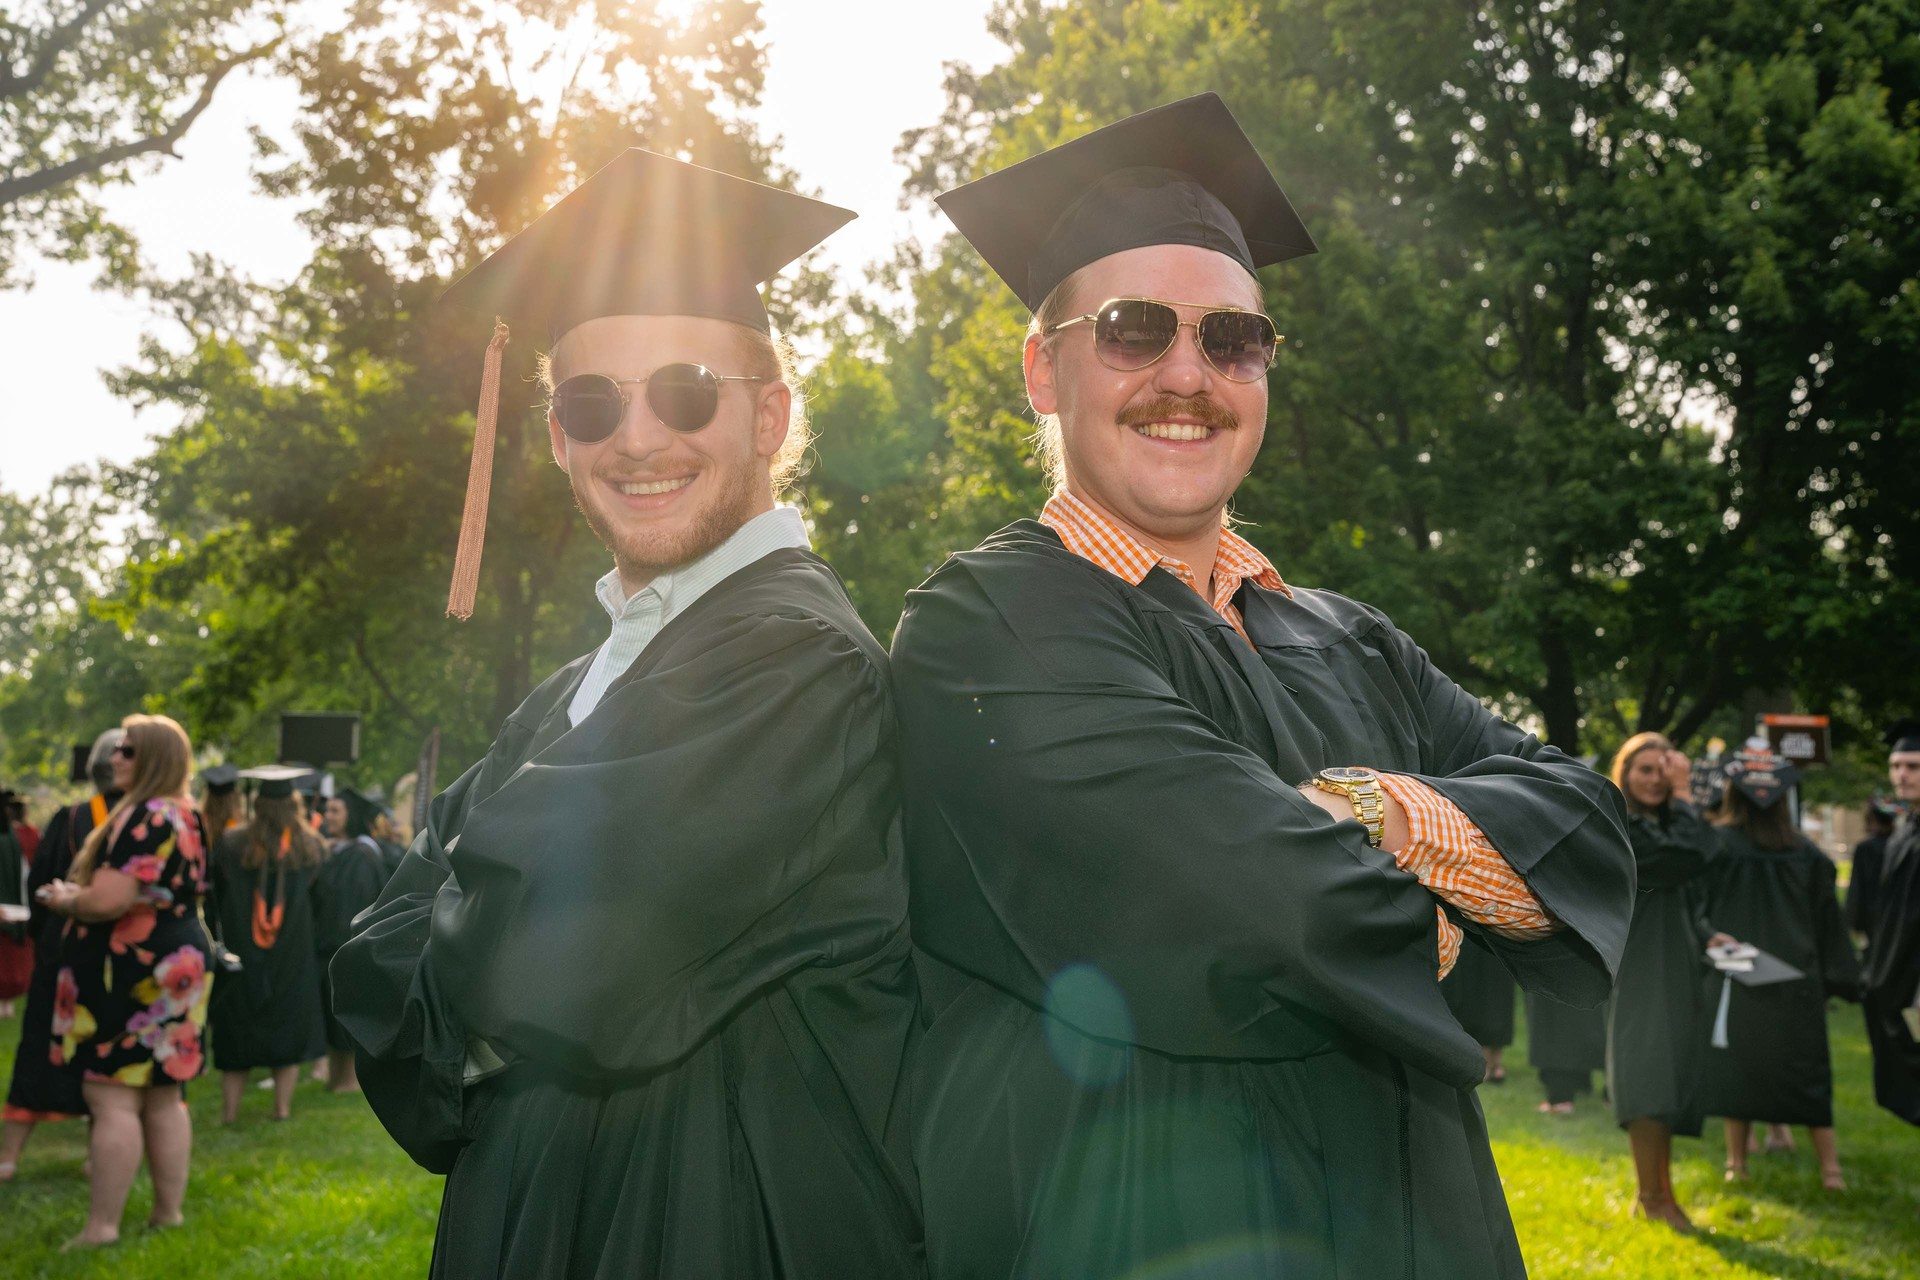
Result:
[[88, 88]]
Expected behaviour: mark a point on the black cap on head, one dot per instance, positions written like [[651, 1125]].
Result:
[[220, 779], [1762, 777], [1184, 173], [648, 235], [1903, 735], [276, 780]]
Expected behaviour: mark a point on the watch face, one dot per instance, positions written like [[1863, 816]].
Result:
[[1347, 775]]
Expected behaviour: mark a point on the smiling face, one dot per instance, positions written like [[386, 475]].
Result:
[[658, 498], [1164, 447]]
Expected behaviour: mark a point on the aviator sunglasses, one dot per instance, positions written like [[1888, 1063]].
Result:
[[590, 406], [1132, 333]]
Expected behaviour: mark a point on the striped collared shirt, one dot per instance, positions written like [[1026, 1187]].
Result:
[[1445, 850], [638, 618]]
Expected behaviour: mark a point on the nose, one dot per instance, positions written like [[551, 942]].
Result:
[[641, 434], [1183, 371]]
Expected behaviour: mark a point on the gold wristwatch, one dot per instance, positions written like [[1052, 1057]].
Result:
[[1362, 787]]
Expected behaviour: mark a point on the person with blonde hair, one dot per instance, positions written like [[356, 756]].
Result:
[[1656, 1025], [131, 989]]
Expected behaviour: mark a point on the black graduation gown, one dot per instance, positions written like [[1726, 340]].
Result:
[[37, 1084], [1868, 856], [1776, 1066], [1480, 991], [346, 884], [1174, 1010], [683, 923], [1892, 977], [1568, 1043], [268, 1014], [1656, 1022]]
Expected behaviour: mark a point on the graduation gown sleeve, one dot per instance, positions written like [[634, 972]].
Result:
[[410, 1053], [1559, 824], [1096, 822], [622, 894]]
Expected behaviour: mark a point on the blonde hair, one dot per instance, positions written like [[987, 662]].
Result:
[[162, 767], [769, 356], [1623, 758]]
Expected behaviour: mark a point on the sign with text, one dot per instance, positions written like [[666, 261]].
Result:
[[1801, 739]]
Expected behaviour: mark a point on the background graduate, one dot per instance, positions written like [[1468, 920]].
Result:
[[1770, 887], [266, 1015], [1656, 1022], [1892, 977], [347, 882], [1184, 1005], [643, 983]]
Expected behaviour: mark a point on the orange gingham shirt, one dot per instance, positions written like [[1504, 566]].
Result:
[[1446, 850]]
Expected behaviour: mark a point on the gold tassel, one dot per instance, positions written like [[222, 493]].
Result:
[[473, 519]]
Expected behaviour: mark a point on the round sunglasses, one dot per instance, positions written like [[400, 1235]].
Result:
[[590, 406], [1131, 333]]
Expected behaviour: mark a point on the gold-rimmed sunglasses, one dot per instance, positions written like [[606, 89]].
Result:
[[1131, 333]]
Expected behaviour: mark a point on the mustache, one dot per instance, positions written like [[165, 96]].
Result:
[[1206, 411]]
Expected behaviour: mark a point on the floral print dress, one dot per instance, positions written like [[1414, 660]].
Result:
[[130, 996]]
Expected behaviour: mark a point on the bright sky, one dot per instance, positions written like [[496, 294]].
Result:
[[840, 91]]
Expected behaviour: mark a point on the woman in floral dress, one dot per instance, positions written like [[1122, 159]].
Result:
[[130, 997]]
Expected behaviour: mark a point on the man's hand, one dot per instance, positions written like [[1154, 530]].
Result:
[[1393, 834]]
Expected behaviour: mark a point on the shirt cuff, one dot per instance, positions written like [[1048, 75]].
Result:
[[1448, 853]]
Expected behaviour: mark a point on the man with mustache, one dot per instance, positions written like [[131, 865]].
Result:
[[642, 987], [1189, 847]]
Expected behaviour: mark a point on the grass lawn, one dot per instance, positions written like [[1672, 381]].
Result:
[[327, 1194]]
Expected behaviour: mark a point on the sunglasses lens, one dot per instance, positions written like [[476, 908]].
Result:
[[1132, 333], [588, 407], [683, 396], [1240, 344]]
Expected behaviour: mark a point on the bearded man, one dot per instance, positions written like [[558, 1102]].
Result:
[[642, 987], [1190, 847]]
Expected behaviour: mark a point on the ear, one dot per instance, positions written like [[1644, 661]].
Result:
[[771, 413], [1038, 363], [556, 440]]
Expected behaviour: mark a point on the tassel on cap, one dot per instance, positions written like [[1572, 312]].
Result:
[[473, 518]]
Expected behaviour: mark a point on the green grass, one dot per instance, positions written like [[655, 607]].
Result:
[[327, 1195]]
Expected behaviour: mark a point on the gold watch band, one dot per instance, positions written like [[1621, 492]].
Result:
[[1369, 801]]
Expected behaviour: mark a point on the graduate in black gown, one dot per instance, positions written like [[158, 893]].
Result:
[[642, 985], [349, 880], [40, 1091], [1868, 857], [1184, 1005], [1566, 1045], [1892, 978], [1771, 888], [267, 1014], [1481, 992], [1657, 1020]]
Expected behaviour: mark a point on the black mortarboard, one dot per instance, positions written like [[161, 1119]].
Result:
[[276, 780], [1763, 778], [1184, 173], [360, 812], [648, 235], [1903, 735], [220, 779]]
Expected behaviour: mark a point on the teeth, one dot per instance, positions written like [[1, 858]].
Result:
[[656, 486], [1173, 431]]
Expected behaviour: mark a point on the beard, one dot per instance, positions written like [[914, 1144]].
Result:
[[642, 555]]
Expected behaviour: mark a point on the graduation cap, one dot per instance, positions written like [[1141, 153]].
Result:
[[276, 781], [1903, 735], [647, 235], [361, 811], [1748, 966], [220, 779], [1183, 173], [1762, 777]]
